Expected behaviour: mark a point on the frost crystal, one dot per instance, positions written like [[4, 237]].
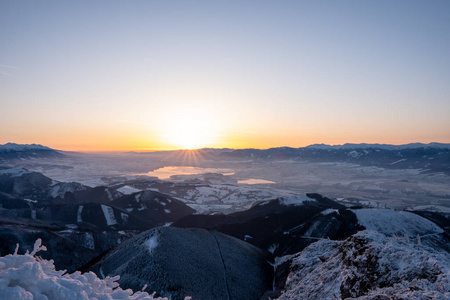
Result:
[[30, 277]]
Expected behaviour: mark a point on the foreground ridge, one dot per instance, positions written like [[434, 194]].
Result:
[[368, 265], [28, 276]]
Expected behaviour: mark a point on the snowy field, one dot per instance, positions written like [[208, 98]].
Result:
[[248, 181]]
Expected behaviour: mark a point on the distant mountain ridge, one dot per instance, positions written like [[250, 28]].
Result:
[[10, 151], [433, 157], [378, 146], [11, 147]]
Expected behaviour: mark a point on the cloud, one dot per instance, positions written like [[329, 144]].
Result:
[[6, 69]]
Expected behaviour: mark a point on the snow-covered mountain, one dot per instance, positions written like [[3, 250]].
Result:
[[433, 157], [378, 146], [176, 262], [11, 151], [79, 221], [12, 147]]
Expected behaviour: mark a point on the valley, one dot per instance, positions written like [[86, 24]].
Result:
[[189, 223]]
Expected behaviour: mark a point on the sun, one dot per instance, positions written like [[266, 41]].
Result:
[[189, 129]]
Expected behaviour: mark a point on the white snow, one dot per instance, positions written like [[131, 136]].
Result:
[[28, 277], [59, 189], [89, 241], [127, 190], [311, 229], [137, 197], [272, 248], [354, 154], [31, 201], [109, 215], [108, 192], [80, 210], [396, 162], [295, 200], [329, 211], [391, 268], [9, 147], [167, 211], [391, 222], [238, 196], [124, 217], [152, 243]]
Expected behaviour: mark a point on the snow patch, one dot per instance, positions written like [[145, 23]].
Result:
[[80, 210], [329, 211], [128, 190], [137, 197], [124, 217], [108, 212], [272, 248], [152, 243], [30, 201], [295, 200], [396, 162], [108, 192], [89, 241]]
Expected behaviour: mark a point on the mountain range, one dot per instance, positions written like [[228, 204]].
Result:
[[294, 247]]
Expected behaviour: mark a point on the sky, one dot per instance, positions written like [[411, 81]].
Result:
[[161, 75]]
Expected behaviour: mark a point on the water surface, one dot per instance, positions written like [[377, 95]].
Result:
[[255, 181], [166, 172]]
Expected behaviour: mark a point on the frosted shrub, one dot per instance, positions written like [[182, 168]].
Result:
[[28, 276]]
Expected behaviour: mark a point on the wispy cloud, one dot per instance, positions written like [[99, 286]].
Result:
[[6, 69]]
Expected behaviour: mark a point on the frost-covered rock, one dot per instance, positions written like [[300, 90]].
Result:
[[368, 265], [28, 277], [392, 222]]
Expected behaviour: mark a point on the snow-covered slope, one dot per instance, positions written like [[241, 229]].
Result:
[[391, 222], [368, 265], [177, 262]]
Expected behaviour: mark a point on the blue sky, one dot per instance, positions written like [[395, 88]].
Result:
[[116, 75]]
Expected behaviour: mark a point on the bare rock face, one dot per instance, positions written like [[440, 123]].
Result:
[[177, 262]]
